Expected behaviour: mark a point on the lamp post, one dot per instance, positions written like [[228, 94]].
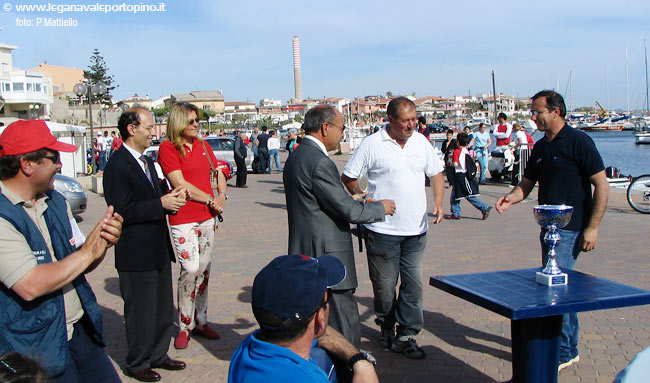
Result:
[[98, 89]]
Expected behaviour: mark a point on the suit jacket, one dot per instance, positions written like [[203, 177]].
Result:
[[321, 210], [145, 244]]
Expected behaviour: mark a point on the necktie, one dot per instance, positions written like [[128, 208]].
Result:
[[146, 169]]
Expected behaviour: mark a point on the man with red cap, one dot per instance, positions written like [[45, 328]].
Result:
[[49, 311]]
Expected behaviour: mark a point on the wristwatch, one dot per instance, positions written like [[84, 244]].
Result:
[[224, 194], [361, 356]]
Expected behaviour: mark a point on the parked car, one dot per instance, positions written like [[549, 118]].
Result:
[[225, 167], [224, 149], [73, 193]]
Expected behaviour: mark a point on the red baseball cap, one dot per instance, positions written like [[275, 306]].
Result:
[[26, 136]]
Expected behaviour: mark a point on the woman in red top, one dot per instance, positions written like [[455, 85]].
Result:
[[184, 161]]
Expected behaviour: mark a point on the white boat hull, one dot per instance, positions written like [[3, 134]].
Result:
[[642, 138]]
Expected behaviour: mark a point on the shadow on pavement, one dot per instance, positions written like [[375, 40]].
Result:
[[272, 205], [230, 338], [271, 182], [459, 335], [112, 285], [114, 335]]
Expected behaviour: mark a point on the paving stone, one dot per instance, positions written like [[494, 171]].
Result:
[[464, 343]]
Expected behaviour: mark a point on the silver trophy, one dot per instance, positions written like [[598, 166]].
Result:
[[552, 217]]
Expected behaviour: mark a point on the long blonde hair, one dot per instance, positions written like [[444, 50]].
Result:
[[177, 122]]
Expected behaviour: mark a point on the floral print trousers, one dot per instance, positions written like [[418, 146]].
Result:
[[193, 242]]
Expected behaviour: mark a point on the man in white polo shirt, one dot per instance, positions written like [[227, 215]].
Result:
[[396, 161]]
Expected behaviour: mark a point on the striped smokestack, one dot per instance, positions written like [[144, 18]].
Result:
[[296, 68]]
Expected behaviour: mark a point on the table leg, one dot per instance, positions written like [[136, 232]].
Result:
[[535, 349]]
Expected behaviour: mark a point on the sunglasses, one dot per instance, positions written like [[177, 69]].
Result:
[[54, 158], [193, 120]]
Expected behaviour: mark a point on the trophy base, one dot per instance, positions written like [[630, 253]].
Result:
[[551, 280]]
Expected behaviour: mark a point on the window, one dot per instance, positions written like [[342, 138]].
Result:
[[37, 87], [29, 86], [19, 86], [6, 87]]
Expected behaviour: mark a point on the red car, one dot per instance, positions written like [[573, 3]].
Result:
[[225, 167]]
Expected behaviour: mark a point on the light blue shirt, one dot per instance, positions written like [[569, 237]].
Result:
[[481, 139]]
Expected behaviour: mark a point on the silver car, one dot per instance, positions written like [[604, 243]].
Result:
[[224, 149], [73, 193]]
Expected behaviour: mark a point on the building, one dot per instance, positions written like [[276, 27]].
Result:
[[505, 104], [203, 99], [25, 94], [244, 110], [336, 102], [63, 78], [139, 101]]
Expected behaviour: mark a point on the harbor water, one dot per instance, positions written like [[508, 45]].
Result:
[[618, 149]]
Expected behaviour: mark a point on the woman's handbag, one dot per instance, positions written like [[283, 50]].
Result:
[[214, 172]]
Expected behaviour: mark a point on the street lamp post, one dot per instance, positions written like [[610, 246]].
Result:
[[98, 89]]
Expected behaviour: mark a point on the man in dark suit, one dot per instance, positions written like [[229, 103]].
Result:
[[143, 255], [320, 211]]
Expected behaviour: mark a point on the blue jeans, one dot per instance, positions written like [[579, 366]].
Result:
[[274, 157], [323, 360], [482, 157], [477, 203], [390, 257], [567, 251]]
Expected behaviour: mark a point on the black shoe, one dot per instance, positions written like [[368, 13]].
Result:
[[146, 375], [486, 213], [171, 364]]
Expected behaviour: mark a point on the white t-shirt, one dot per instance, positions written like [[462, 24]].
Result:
[[273, 143], [520, 138], [396, 173]]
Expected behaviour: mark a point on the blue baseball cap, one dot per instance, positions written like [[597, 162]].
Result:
[[292, 286]]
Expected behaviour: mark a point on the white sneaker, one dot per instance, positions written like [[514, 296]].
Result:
[[566, 364]]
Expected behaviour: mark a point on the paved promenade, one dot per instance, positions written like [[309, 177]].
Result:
[[464, 343]]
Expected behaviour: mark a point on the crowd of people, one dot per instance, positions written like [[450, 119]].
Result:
[[304, 303]]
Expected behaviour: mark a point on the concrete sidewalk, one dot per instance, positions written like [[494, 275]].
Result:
[[464, 343]]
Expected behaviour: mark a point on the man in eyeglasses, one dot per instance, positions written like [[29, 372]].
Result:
[[143, 258], [49, 311], [291, 301], [566, 164], [320, 210]]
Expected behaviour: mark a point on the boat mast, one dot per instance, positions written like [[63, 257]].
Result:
[[627, 83], [494, 96], [570, 91], [607, 88], [647, 106]]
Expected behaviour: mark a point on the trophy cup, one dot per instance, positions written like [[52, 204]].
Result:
[[552, 217]]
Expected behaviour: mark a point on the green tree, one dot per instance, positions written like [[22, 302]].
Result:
[[98, 71], [205, 114], [298, 118], [160, 112]]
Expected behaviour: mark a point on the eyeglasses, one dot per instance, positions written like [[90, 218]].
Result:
[[536, 113], [54, 158], [342, 127], [193, 120]]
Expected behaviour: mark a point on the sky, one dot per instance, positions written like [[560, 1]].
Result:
[[350, 48]]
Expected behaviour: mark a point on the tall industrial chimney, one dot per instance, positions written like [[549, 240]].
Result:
[[296, 68]]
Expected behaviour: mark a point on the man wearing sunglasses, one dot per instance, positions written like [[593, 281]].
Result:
[[291, 301], [49, 311], [320, 210]]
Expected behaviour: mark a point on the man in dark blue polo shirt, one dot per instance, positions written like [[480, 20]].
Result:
[[566, 164]]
